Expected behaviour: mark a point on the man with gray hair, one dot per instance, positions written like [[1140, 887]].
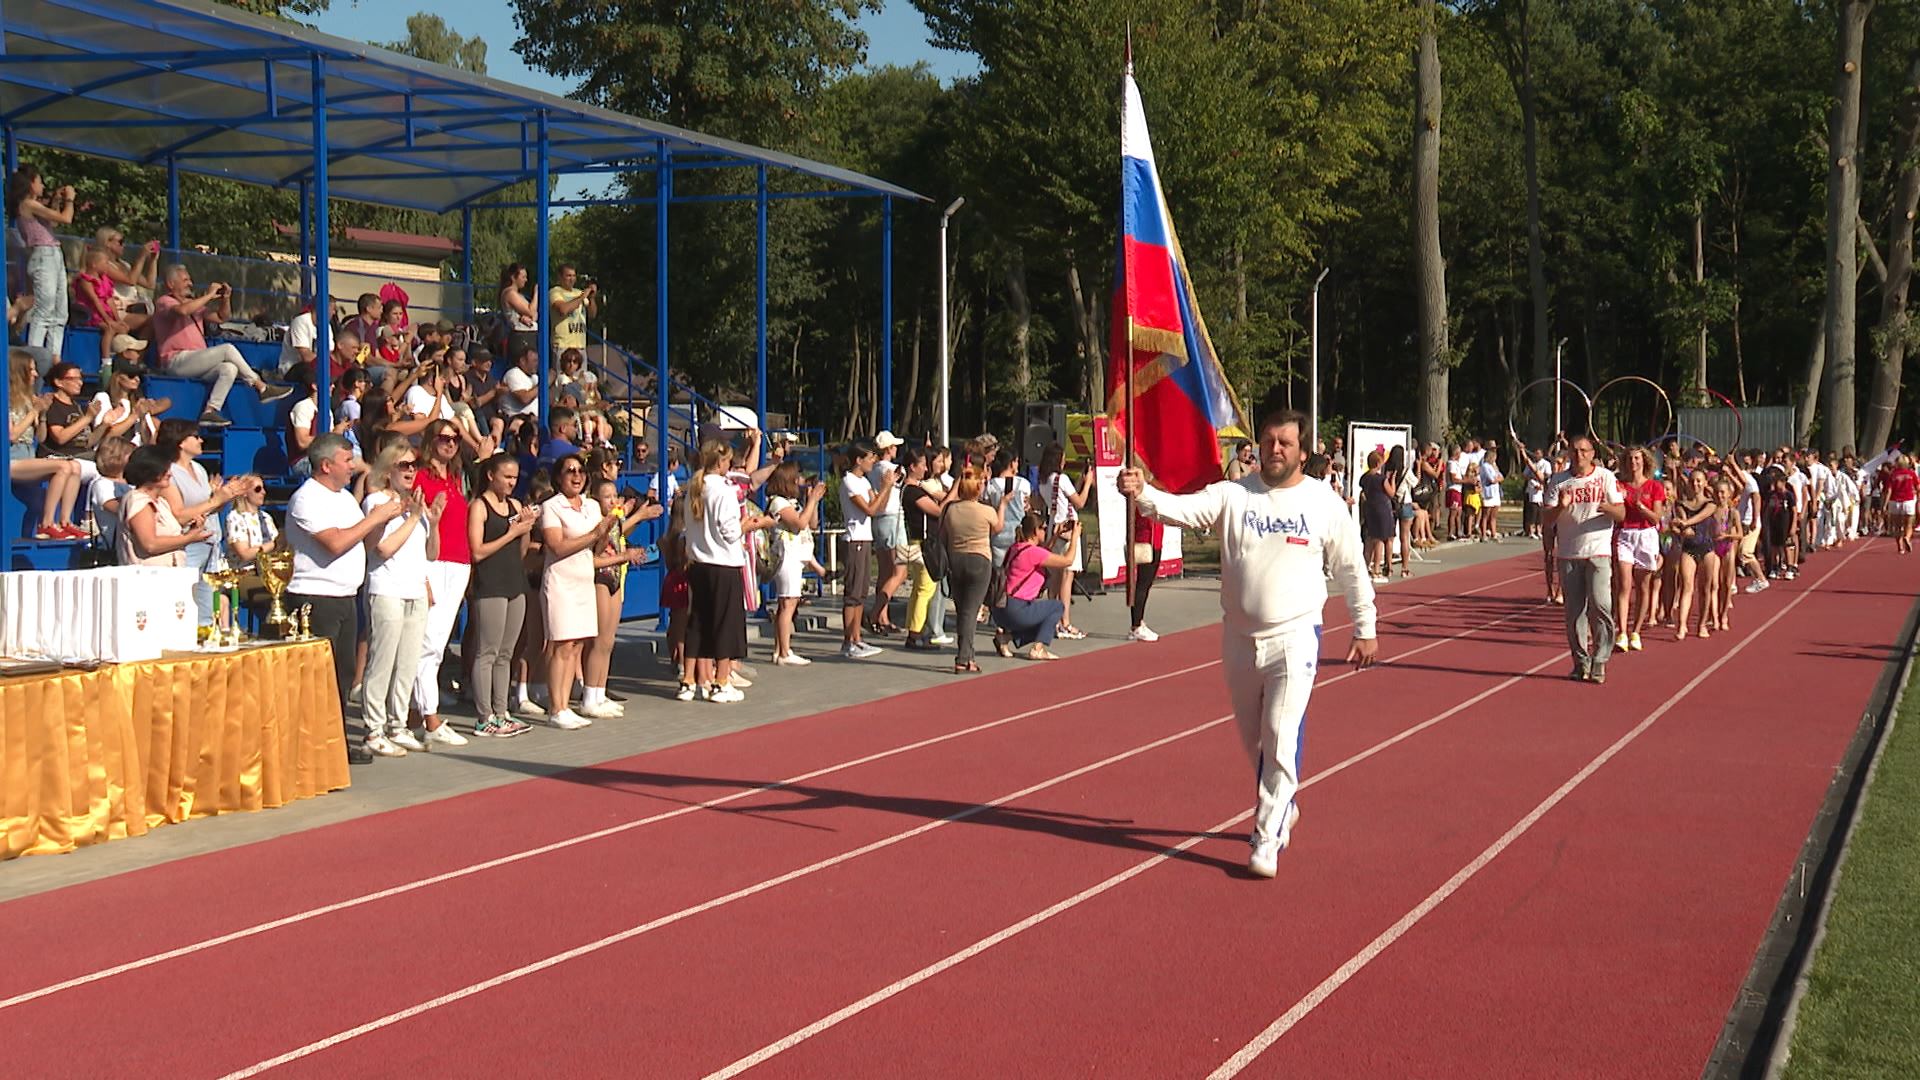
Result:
[[327, 533], [178, 328]]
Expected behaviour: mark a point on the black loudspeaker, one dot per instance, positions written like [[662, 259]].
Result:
[[1042, 423]]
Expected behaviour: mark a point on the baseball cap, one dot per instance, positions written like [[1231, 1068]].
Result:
[[132, 369], [886, 440], [445, 326], [122, 342]]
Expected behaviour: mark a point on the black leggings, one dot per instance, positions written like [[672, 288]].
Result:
[[967, 580], [1143, 575]]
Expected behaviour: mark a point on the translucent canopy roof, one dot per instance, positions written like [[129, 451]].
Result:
[[226, 93]]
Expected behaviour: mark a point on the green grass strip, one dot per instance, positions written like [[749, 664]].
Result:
[[1861, 1013]]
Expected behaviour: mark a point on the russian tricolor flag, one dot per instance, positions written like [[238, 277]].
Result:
[[1179, 397]]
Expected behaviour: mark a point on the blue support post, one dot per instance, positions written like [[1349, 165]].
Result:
[[173, 205], [322, 310], [466, 255], [13, 152], [760, 301], [543, 311], [663, 190], [886, 313], [322, 252], [8, 529]]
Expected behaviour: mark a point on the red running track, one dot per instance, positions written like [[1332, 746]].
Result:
[[1498, 873]]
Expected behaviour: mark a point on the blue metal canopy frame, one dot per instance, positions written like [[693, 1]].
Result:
[[194, 87]]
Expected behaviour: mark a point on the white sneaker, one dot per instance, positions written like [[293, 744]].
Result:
[[601, 710], [407, 740], [726, 695], [1265, 860], [941, 639], [791, 660], [739, 682], [530, 708], [383, 746], [1381, 579], [685, 693], [1143, 632], [741, 667], [568, 720], [867, 650], [1757, 585], [445, 735]]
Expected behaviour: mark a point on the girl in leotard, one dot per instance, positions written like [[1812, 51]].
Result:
[[1693, 515]]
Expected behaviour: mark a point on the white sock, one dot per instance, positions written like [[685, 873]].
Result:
[[521, 691], [593, 695]]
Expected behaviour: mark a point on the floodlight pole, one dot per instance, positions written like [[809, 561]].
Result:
[[886, 313], [760, 296], [542, 307], [946, 349], [322, 246], [1313, 378]]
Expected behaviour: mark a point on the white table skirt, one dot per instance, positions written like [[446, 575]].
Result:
[[115, 614]]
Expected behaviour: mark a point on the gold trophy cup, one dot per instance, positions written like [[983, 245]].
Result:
[[276, 570], [224, 583]]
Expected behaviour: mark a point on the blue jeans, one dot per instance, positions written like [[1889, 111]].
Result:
[[47, 322], [1030, 621]]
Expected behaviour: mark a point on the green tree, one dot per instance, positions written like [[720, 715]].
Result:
[[429, 38]]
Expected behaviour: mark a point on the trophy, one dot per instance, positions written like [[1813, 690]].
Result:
[[306, 623], [276, 570], [226, 586]]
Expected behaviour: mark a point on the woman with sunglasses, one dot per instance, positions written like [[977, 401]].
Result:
[[196, 496], [398, 597], [442, 480], [572, 528]]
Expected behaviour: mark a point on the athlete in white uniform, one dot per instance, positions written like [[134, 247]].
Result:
[[1281, 535]]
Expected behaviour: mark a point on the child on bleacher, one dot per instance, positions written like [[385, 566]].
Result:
[[107, 489]]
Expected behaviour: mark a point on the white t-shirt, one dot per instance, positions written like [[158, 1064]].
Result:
[[1749, 500], [421, 401], [1537, 473], [303, 414], [653, 486], [1823, 480], [1582, 531], [301, 334], [402, 575], [515, 379], [1457, 471], [102, 491], [1057, 494], [879, 472], [716, 539], [316, 571], [996, 489], [859, 525], [349, 414]]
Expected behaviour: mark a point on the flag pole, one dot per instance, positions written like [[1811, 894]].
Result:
[[1126, 540]]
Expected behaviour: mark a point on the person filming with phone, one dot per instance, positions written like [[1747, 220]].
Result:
[[179, 327]]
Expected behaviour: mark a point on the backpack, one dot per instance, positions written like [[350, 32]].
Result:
[[997, 588], [934, 556]]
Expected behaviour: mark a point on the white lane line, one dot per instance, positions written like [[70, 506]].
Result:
[[780, 1046], [709, 905], [614, 830], [1302, 1008]]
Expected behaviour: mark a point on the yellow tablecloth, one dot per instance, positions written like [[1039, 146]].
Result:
[[87, 757]]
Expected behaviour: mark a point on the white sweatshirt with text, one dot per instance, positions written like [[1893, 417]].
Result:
[[1277, 545]]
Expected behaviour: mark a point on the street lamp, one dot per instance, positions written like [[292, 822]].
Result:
[[946, 350], [1313, 383]]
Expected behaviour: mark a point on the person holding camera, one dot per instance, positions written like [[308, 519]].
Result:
[[1028, 619], [574, 300], [34, 214], [179, 327]]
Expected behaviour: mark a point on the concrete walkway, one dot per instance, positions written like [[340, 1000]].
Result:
[[653, 720]]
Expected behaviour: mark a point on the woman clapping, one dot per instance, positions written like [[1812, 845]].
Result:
[[572, 530]]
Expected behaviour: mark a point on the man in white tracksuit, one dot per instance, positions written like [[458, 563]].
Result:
[[1280, 535]]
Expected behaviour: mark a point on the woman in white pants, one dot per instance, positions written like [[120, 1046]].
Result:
[[442, 480], [398, 596], [1281, 535]]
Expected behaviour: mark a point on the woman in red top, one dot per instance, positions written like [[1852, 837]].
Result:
[[1636, 546], [442, 479], [1902, 486]]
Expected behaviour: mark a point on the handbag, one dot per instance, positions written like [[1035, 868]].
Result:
[[1142, 553], [934, 556], [1423, 490], [997, 588]]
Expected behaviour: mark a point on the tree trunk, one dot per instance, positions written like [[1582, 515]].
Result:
[[1884, 398], [1086, 344], [913, 373], [852, 422], [1699, 293], [1739, 357], [1020, 307], [873, 385], [1536, 253], [1810, 388], [1843, 206], [1430, 266]]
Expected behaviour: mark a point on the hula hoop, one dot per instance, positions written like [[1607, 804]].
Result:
[[1739, 422], [1514, 433], [1610, 383]]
